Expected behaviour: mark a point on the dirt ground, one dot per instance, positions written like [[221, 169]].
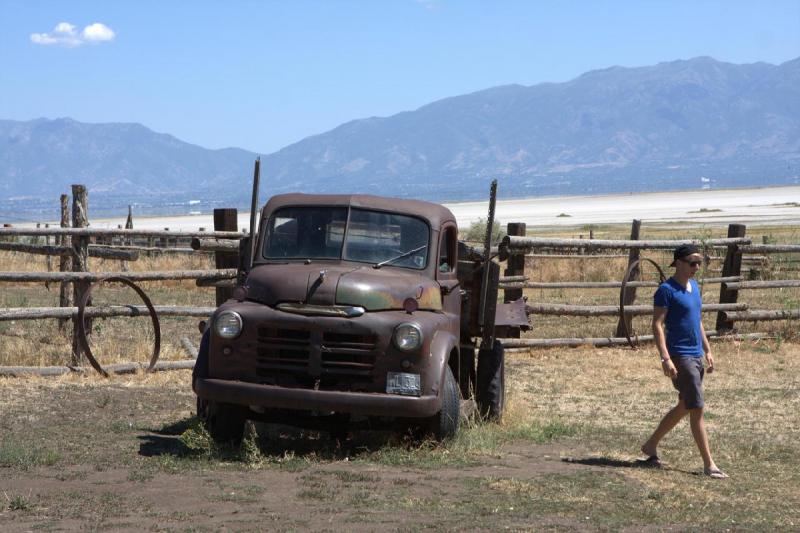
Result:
[[83, 453]]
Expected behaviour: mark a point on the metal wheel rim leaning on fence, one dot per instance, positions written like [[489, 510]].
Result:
[[625, 281], [83, 339]]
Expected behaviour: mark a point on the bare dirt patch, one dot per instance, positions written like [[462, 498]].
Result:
[[83, 453]]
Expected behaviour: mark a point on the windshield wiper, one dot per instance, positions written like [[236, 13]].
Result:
[[404, 254]]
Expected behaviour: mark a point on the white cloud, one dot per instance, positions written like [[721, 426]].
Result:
[[66, 34], [98, 32]]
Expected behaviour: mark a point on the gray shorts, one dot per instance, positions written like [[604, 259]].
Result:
[[689, 382]]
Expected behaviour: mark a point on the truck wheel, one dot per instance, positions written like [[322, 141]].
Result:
[[491, 387], [225, 422], [445, 422]]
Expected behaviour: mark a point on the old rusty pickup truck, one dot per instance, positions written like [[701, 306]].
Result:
[[354, 308]]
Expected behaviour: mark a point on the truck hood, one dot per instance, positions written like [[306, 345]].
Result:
[[318, 284]]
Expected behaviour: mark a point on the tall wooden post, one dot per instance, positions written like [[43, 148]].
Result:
[[731, 267], [225, 220], [64, 263], [514, 267], [49, 258], [629, 296], [80, 258]]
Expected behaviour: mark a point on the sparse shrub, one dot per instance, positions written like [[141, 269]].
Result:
[[477, 231]]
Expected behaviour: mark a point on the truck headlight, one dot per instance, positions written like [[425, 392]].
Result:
[[407, 337], [228, 324]]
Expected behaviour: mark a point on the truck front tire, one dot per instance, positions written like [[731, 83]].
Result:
[[446, 421], [225, 422]]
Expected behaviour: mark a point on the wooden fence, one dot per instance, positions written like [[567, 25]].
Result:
[[74, 245], [737, 251]]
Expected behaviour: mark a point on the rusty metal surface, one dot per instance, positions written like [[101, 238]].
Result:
[[625, 280], [82, 338], [342, 283], [317, 400], [512, 314]]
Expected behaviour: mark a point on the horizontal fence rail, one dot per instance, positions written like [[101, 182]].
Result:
[[600, 284], [514, 243], [613, 310], [133, 276], [36, 313], [119, 232]]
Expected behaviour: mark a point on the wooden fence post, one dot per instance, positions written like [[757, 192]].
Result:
[[64, 263], [80, 260], [225, 220], [514, 267], [625, 322], [731, 267]]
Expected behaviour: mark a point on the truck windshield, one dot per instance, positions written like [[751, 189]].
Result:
[[327, 233]]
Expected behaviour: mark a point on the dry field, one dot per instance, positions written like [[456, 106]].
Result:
[[85, 453]]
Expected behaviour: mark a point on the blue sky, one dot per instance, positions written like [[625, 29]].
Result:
[[262, 75]]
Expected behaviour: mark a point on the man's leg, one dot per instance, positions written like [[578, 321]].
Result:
[[700, 435], [669, 421]]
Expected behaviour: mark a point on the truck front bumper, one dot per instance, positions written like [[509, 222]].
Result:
[[361, 403]]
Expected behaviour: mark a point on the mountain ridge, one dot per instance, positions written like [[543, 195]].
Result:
[[680, 124]]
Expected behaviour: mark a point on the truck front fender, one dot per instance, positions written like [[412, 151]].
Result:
[[442, 346]]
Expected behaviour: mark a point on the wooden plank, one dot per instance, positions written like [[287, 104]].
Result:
[[610, 341], [120, 368], [766, 284], [49, 250], [770, 248], [133, 276], [524, 243], [109, 232], [605, 284], [613, 310], [215, 245], [757, 315], [37, 313]]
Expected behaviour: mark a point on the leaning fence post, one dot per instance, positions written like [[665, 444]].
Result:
[[629, 296], [64, 263], [80, 259], [225, 220], [731, 267]]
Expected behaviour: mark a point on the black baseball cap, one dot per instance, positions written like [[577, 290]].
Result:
[[684, 250]]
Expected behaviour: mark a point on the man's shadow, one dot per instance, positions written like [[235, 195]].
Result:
[[648, 464]]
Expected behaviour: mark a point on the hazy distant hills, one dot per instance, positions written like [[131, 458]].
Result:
[[683, 124]]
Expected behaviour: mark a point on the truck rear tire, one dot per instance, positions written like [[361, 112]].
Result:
[[491, 387], [446, 421]]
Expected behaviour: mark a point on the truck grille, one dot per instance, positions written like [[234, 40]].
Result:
[[303, 354]]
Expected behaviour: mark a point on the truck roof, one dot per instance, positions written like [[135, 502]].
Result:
[[436, 214]]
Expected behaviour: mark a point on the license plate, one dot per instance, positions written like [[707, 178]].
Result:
[[403, 383]]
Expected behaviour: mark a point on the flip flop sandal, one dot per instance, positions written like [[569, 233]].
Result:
[[651, 462], [714, 473]]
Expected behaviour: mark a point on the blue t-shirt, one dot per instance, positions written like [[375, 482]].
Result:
[[682, 325]]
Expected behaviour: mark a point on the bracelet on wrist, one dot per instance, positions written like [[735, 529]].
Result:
[[665, 359]]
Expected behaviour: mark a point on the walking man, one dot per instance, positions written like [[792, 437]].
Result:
[[681, 341]]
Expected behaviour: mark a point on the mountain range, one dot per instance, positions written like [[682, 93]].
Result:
[[676, 125]]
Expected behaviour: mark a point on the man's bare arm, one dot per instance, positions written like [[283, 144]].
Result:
[[659, 316]]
